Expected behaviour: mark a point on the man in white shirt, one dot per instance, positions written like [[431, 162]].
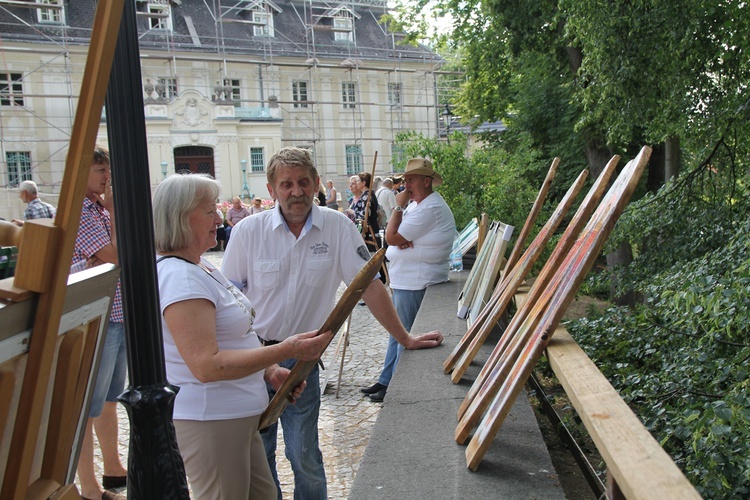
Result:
[[420, 234], [386, 198], [290, 261]]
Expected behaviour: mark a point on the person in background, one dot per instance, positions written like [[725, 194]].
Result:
[[96, 243], [290, 261], [256, 207], [386, 198], [235, 213], [321, 198], [420, 237], [211, 350], [35, 208], [331, 199]]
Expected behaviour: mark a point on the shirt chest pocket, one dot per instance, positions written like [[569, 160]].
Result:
[[266, 274], [316, 271]]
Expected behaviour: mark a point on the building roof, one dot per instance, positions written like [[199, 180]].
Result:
[[301, 28]]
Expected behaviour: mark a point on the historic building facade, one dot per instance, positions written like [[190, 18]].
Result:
[[225, 84]]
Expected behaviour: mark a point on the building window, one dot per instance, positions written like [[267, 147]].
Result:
[[235, 92], [19, 167], [394, 95], [263, 22], [160, 16], [167, 88], [11, 89], [299, 93], [50, 16], [353, 159], [343, 28], [257, 163], [349, 95]]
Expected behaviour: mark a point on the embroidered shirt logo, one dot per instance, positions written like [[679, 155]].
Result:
[[319, 248]]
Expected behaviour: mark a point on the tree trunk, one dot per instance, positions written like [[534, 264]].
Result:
[[656, 165], [672, 158]]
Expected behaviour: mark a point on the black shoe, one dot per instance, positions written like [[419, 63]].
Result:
[[112, 482], [379, 396], [377, 387]]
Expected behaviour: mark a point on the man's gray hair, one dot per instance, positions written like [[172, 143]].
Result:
[[388, 182], [175, 198], [29, 187], [290, 157]]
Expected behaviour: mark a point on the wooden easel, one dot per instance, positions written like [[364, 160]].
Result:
[[45, 253]]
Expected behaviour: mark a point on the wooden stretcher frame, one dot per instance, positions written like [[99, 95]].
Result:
[[551, 307], [467, 348], [335, 319], [493, 271], [466, 297], [522, 318]]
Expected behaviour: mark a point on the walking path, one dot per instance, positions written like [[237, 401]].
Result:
[[345, 422]]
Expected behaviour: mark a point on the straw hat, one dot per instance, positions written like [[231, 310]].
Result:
[[421, 166]]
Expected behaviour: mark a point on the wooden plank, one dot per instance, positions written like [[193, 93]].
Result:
[[335, 319], [563, 288], [483, 224], [533, 214], [584, 212], [468, 347], [640, 466], [36, 255], [41, 350], [9, 291]]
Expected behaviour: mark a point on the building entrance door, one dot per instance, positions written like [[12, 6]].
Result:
[[194, 159]]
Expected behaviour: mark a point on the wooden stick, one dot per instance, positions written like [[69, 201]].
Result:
[[567, 279], [535, 209], [343, 308]]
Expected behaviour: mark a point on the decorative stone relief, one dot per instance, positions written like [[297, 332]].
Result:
[[192, 114]]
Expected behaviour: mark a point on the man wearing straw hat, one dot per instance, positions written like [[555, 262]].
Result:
[[420, 235]]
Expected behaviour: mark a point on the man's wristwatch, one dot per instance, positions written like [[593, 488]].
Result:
[[399, 208]]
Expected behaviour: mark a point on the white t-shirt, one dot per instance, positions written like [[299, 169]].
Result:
[[226, 399], [387, 200], [291, 281], [431, 227]]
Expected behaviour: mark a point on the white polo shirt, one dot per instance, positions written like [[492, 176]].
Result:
[[431, 227], [291, 281]]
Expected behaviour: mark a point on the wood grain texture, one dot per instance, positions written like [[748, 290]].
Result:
[[335, 319], [564, 284]]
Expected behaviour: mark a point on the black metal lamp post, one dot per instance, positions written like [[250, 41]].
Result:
[[447, 116], [155, 467]]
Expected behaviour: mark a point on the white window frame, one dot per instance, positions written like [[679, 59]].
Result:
[[353, 154], [50, 16], [266, 18], [343, 26], [11, 89], [349, 95], [170, 87], [235, 83], [394, 94], [159, 23], [300, 93], [257, 160], [18, 168]]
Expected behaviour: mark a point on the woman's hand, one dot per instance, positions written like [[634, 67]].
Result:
[[308, 346]]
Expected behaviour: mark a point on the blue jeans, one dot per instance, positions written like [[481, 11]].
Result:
[[300, 424], [110, 381], [407, 304]]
